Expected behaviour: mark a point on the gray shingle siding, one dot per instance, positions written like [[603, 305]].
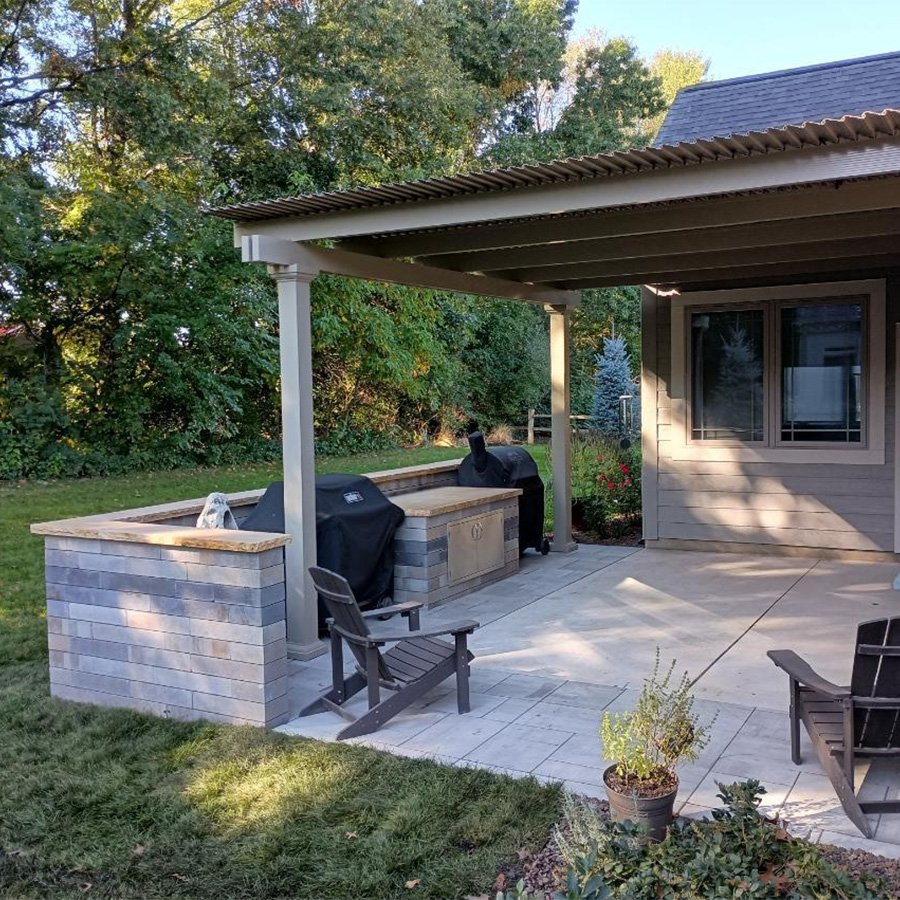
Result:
[[789, 97]]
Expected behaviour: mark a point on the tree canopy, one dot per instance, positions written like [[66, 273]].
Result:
[[130, 333]]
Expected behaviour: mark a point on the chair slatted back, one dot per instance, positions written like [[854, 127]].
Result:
[[337, 595], [876, 673]]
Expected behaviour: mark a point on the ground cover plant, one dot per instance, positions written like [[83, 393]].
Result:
[[111, 803]]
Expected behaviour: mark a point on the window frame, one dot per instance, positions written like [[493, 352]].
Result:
[[870, 294]]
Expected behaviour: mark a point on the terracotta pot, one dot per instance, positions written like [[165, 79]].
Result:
[[654, 814]]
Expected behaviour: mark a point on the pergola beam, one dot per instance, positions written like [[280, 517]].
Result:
[[835, 198], [673, 243], [273, 251], [729, 274], [716, 259]]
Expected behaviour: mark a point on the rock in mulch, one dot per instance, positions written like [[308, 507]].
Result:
[[544, 872]]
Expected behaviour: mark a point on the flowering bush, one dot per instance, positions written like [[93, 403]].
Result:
[[606, 483]]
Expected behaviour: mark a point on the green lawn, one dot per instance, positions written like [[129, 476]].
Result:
[[108, 803]]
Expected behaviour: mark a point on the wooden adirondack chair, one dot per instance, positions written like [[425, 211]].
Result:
[[846, 722], [419, 661]]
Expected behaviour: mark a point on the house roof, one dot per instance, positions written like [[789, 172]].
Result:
[[773, 100], [800, 134]]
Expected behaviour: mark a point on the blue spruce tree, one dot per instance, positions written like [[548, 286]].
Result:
[[612, 381]]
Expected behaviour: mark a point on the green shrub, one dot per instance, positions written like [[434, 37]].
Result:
[[606, 481], [738, 854]]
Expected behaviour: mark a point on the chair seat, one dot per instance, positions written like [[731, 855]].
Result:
[[413, 657], [826, 717]]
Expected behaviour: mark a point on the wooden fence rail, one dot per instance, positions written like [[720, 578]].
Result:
[[531, 429]]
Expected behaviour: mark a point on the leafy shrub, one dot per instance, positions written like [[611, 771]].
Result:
[[606, 481], [660, 733], [738, 854]]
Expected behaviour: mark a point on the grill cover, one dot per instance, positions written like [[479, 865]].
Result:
[[509, 467], [355, 525]]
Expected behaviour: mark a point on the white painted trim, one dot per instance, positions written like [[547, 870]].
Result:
[[896, 437], [275, 251], [793, 167], [649, 415], [298, 443], [872, 454], [561, 429]]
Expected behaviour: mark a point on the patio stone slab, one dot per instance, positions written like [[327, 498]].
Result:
[[573, 635]]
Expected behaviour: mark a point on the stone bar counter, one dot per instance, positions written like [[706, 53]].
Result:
[[147, 612]]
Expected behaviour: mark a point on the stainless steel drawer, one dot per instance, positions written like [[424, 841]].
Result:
[[474, 546]]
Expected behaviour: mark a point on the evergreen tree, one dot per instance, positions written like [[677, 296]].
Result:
[[613, 381]]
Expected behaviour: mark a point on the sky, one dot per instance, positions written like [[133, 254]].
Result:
[[753, 36]]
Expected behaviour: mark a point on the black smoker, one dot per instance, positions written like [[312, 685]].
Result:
[[509, 467], [355, 525]]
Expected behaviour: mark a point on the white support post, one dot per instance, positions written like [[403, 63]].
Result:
[[298, 448], [561, 430]]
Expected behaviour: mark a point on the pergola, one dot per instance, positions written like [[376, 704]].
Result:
[[806, 199]]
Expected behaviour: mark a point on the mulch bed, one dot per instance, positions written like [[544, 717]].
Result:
[[631, 536], [543, 872]]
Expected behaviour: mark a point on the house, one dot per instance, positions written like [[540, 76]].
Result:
[[775, 411], [763, 228]]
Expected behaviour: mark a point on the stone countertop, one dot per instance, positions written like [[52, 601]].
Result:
[[442, 500]]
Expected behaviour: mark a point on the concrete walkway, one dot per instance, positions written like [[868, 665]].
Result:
[[571, 636]]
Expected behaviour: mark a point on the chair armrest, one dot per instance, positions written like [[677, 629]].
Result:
[[801, 671], [402, 608], [466, 626]]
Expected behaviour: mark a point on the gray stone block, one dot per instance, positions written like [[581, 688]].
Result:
[[229, 706], [241, 634], [87, 612], [58, 608], [84, 545], [90, 647], [156, 656], [250, 653], [68, 575], [124, 565], [234, 669], [130, 549], [99, 596], [232, 576], [416, 546], [91, 681], [221, 593], [140, 584], [141, 637], [156, 622], [263, 560], [71, 627], [167, 695], [275, 689]]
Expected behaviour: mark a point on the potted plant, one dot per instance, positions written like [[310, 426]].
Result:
[[648, 744]]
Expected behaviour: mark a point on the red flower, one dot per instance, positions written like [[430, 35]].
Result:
[[624, 468], [610, 484], [627, 481]]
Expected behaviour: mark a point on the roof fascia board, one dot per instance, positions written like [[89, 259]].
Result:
[[256, 248], [780, 169], [674, 243]]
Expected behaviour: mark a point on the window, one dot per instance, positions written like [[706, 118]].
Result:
[[727, 375], [779, 374], [821, 373]]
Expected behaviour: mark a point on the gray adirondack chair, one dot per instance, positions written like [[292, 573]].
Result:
[[861, 719], [418, 661]]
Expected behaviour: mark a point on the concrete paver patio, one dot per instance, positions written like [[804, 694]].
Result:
[[573, 635]]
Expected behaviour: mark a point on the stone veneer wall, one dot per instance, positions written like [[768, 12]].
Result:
[[179, 632], [420, 563]]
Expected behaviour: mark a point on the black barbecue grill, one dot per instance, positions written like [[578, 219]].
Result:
[[355, 525], [509, 467]]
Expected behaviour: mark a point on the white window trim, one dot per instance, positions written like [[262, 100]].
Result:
[[871, 453]]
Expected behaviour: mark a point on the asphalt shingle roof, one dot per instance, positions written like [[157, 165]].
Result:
[[791, 96]]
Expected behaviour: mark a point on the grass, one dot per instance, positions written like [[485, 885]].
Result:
[[110, 803]]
